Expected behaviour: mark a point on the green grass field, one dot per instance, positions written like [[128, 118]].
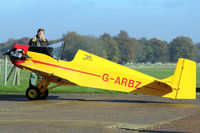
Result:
[[155, 72]]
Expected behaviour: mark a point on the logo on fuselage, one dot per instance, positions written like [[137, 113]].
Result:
[[87, 57]]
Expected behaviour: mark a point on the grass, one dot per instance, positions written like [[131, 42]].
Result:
[[155, 72]]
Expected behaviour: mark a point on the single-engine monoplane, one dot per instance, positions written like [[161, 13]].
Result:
[[89, 70]]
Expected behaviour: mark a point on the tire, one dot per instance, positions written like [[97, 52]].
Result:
[[33, 93], [44, 95]]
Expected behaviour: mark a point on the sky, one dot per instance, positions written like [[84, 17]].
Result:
[[163, 19]]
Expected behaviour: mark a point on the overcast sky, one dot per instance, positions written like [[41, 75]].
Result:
[[163, 19]]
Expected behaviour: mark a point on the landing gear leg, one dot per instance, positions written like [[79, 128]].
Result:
[[44, 92]]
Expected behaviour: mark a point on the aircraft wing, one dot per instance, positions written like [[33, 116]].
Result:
[[46, 73], [35, 68]]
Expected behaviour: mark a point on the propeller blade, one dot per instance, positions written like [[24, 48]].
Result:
[[10, 72]]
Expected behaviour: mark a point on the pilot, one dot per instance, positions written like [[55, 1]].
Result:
[[37, 40]]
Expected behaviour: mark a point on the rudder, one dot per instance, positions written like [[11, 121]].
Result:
[[184, 79]]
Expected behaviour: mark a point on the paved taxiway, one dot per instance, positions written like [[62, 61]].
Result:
[[95, 113]]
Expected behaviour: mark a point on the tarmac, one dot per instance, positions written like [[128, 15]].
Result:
[[98, 113]]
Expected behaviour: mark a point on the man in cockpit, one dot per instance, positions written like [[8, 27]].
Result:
[[37, 40]]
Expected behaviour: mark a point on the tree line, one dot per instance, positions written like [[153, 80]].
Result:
[[123, 48]]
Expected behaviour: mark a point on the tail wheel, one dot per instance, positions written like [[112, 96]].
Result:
[[43, 95], [33, 93]]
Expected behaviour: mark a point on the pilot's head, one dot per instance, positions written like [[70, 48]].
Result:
[[40, 33]]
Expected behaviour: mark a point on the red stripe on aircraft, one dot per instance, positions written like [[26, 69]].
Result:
[[35, 61]]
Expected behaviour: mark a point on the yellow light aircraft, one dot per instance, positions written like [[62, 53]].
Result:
[[90, 70]]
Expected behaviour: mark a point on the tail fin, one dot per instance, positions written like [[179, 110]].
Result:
[[184, 79]]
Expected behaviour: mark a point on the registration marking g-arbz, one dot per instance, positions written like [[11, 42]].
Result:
[[121, 81]]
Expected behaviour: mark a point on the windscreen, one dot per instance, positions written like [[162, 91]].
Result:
[[57, 49]]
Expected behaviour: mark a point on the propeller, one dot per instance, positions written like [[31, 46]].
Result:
[[16, 54]]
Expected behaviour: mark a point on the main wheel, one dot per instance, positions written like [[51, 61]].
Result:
[[43, 95], [33, 93]]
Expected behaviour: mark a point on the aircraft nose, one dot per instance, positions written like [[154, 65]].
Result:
[[16, 52]]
